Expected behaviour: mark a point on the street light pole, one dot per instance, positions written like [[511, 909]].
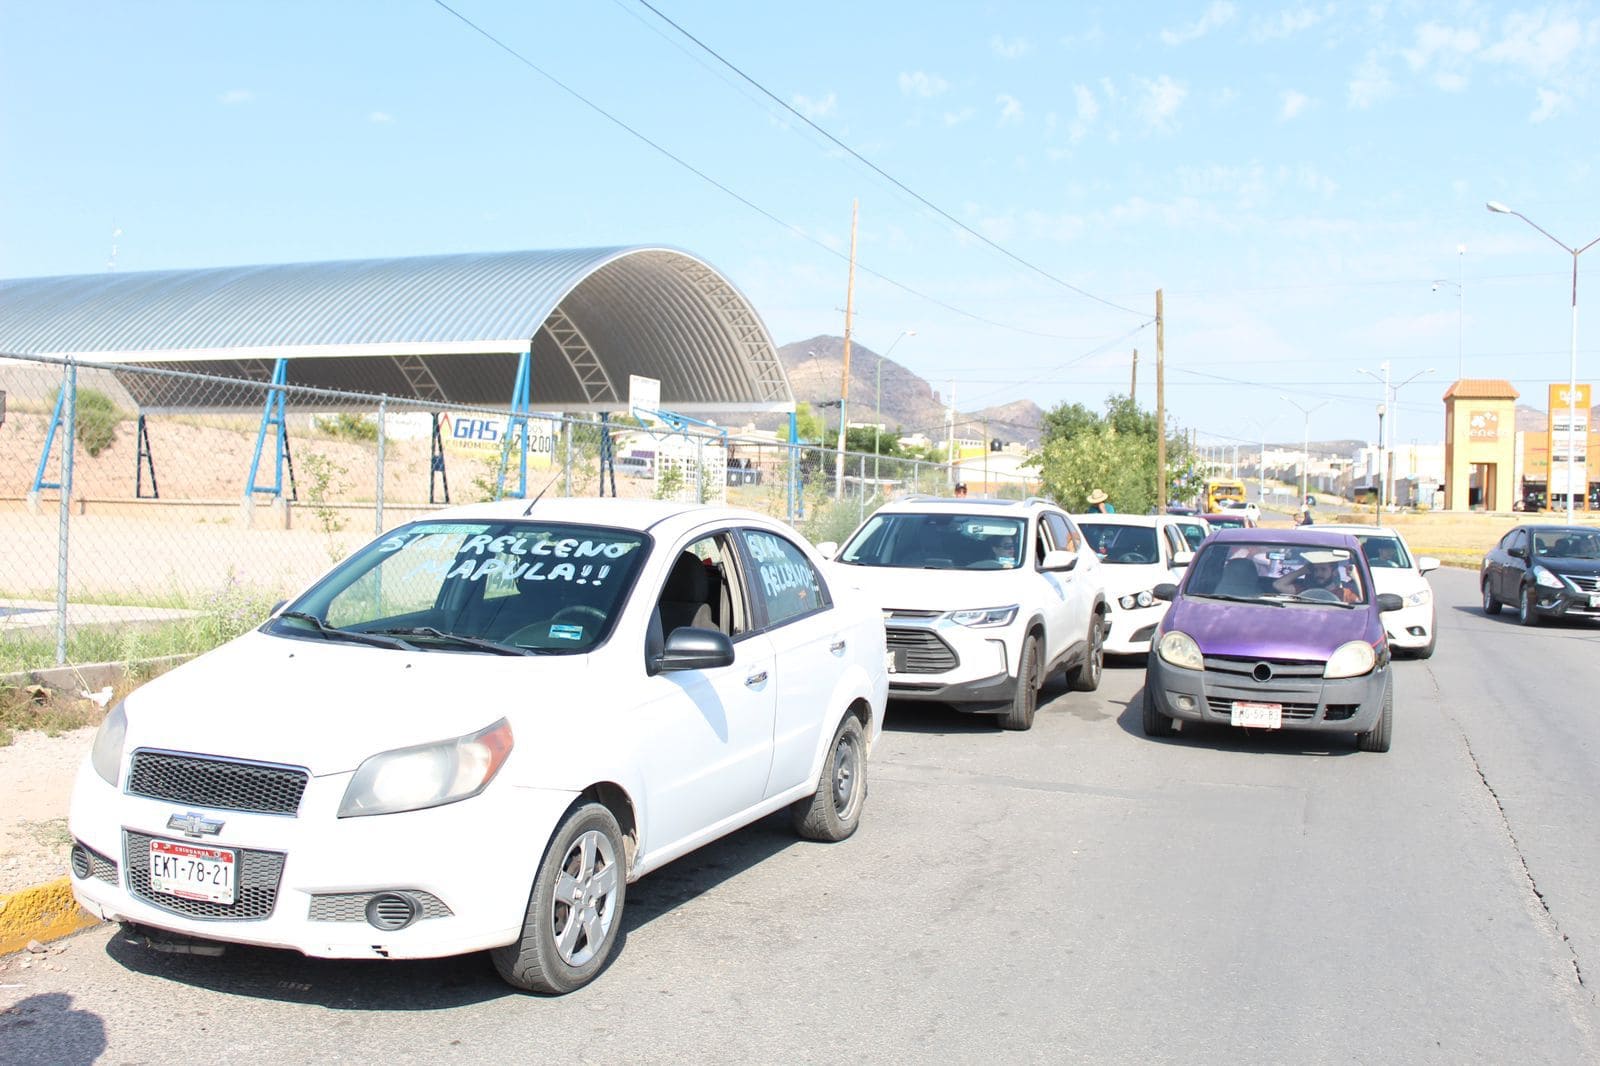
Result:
[[1305, 452], [877, 414], [1261, 467], [1572, 366]]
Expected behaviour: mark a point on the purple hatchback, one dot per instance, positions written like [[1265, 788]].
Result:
[[1274, 629]]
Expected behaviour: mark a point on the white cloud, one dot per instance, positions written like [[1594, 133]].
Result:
[[1294, 102], [1220, 13], [815, 108], [1370, 83], [956, 118], [1550, 105], [1088, 109], [1287, 23], [920, 83], [1440, 42], [1451, 83], [1093, 37], [237, 96], [1010, 109], [1162, 98], [1540, 42], [1014, 48], [382, 118]]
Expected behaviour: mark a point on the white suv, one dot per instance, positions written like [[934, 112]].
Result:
[[982, 600]]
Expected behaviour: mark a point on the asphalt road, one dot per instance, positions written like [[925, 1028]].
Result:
[[1079, 893]]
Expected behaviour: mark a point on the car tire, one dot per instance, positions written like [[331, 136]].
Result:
[[834, 809], [1156, 724], [1377, 738], [1085, 677], [1491, 605], [1527, 613], [565, 942], [1026, 699]]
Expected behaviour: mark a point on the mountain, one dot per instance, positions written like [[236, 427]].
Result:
[[816, 371]]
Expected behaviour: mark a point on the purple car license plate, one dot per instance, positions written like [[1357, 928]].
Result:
[[1257, 715]]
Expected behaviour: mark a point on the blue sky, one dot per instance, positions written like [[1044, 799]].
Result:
[[1293, 176]]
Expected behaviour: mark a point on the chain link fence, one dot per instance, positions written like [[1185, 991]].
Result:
[[148, 512]]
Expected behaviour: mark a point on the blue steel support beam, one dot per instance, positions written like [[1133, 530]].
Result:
[[49, 442], [272, 414], [517, 425]]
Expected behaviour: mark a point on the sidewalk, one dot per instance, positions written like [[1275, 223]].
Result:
[[38, 771]]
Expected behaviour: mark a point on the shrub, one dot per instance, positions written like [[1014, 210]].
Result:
[[345, 426], [96, 419]]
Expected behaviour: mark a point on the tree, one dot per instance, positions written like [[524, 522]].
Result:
[[1116, 452], [807, 424]]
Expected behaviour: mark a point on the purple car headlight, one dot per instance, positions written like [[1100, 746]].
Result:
[[1179, 649], [1351, 660]]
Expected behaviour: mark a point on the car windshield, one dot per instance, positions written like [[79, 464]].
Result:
[[1276, 572], [1225, 521], [1122, 544], [1193, 533], [1567, 543], [499, 587], [938, 542], [1384, 552]]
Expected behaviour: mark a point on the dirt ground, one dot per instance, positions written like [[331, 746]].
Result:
[[38, 772]]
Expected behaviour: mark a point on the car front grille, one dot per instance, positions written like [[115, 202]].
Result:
[[1295, 712], [1246, 668], [919, 651], [352, 906], [87, 863], [221, 784], [1584, 582], [257, 876]]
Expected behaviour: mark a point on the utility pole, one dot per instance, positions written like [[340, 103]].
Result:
[[844, 386], [1133, 382], [1161, 410], [950, 439]]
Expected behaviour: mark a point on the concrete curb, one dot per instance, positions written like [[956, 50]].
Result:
[[44, 912], [89, 675]]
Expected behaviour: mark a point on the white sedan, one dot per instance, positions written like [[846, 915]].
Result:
[[1395, 569], [476, 731], [1136, 553]]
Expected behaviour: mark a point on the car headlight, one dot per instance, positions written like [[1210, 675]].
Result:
[[428, 775], [1132, 600], [1351, 660], [984, 617], [106, 755], [1544, 577], [1420, 597], [1180, 650]]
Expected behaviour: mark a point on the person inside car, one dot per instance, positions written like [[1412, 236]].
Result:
[[1319, 573]]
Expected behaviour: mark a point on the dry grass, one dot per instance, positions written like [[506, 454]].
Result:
[[1455, 538]]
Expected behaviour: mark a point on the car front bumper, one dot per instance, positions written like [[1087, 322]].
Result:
[[1565, 603], [945, 663], [1344, 705], [1410, 627], [1131, 631], [304, 879]]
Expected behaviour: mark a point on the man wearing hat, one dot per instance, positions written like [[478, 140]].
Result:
[[1098, 503]]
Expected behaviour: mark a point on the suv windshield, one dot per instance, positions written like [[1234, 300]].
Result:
[[484, 587], [938, 542], [1293, 573]]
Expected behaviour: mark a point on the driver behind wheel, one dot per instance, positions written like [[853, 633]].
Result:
[[1321, 571]]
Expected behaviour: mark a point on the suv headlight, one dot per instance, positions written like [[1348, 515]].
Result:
[[985, 617], [428, 775], [106, 755], [1351, 660], [1544, 577], [1180, 650], [1132, 600]]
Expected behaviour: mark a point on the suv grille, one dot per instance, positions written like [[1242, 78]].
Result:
[[258, 874], [221, 784], [919, 651]]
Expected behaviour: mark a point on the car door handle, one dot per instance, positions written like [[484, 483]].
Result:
[[756, 679], [836, 647]]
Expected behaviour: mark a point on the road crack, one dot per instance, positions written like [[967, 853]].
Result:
[[1511, 835]]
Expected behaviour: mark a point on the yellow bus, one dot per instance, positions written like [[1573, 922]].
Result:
[[1219, 489]]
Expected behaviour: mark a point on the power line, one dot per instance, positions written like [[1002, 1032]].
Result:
[[728, 191], [890, 178]]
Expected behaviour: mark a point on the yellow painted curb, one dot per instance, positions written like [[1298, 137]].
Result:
[[44, 912]]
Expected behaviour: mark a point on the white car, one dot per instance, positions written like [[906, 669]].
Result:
[[1395, 569], [1137, 553], [477, 730], [1242, 506], [982, 599]]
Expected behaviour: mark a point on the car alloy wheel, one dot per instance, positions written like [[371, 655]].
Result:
[[1490, 604], [1527, 613]]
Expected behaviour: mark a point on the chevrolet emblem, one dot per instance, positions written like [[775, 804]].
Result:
[[195, 824]]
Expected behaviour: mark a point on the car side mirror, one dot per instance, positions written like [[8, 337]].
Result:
[[694, 648], [1182, 558], [1058, 559], [1425, 563], [1517, 553], [1165, 591], [1389, 601], [828, 549]]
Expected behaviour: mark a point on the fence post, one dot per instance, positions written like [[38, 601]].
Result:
[[699, 469], [69, 390], [377, 517], [861, 511], [567, 429]]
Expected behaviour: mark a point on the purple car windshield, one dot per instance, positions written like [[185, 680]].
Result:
[[1300, 573]]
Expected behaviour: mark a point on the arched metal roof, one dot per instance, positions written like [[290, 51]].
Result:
[[443, 328]]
